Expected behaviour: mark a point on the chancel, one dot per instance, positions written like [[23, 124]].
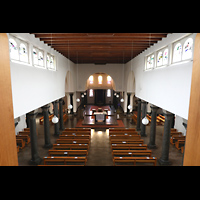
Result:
[[99, 99]]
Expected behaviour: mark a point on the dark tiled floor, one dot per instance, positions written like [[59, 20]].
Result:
[[99, 152]]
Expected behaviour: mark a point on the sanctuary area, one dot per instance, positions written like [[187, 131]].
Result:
[[99, 99]]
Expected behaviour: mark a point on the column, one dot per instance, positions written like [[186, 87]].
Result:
[[56, 126], [61, 114], [144, 112], [45, 110], [128, 101], [27, 121], [152, 139], [71, 102], [173, 121], [125, 102], [164, 159], [139, 115], [35, 160]]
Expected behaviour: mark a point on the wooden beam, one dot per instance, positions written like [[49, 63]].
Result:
[[96, 35]]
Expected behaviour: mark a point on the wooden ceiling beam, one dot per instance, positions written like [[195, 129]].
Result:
[[95, 35], [100, 47], [101, 40]]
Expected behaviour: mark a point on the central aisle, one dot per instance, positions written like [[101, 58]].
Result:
[[99, 153]]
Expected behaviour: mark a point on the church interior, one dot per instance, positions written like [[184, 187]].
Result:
[[99, 99]]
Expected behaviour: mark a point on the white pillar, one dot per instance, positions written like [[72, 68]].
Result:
[[125, 102], [131, 101], [74, 102]]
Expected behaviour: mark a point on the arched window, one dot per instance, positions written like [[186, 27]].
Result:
[[51, 63], [177, 52], [100, 79], [160, 59], [23, 54], [91, 93], [40, 59], [48, 61], [91, 79], [165, 57], [108, 79], [109, 93], [152, 61], [35, 57], [187, 49], [148, 62], [14, 54]]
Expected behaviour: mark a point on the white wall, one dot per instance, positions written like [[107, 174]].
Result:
[[34, 87], [179, 124], [166, 87], [21, 124]]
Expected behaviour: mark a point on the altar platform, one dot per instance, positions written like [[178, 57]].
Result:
[[93, 116]]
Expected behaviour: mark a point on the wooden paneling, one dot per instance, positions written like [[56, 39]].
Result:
[[192, 145], [100, 47], [8, 149]]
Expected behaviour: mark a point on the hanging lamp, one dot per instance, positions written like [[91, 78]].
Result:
[[145, 121]]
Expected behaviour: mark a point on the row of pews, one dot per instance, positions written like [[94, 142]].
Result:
[[65, 117], [128, 149], [22, 139], [177, 139], [160, 119], [71, 149]]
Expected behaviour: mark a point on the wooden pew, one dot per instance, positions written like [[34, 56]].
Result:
[[131, 153], [179, 144], [24, 133], [70, 146], [68, 153], [77, 129], [175, 133], [131, 161], [173, 129], [76, 133], [134, 118], [71, 161], [74, 137], [60, 165], [129, 147], [163, 117], [182, 149], [20, 143], [122, 129], [174, 138], [42, 119], [160, 119], [149, 118], [123, 133], [17, 149], [26, 138], [119, 141], [65, 117], [72, 141], [125, 137], [27, 129]]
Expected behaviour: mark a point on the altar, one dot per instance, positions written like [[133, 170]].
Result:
[[100, 116]]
